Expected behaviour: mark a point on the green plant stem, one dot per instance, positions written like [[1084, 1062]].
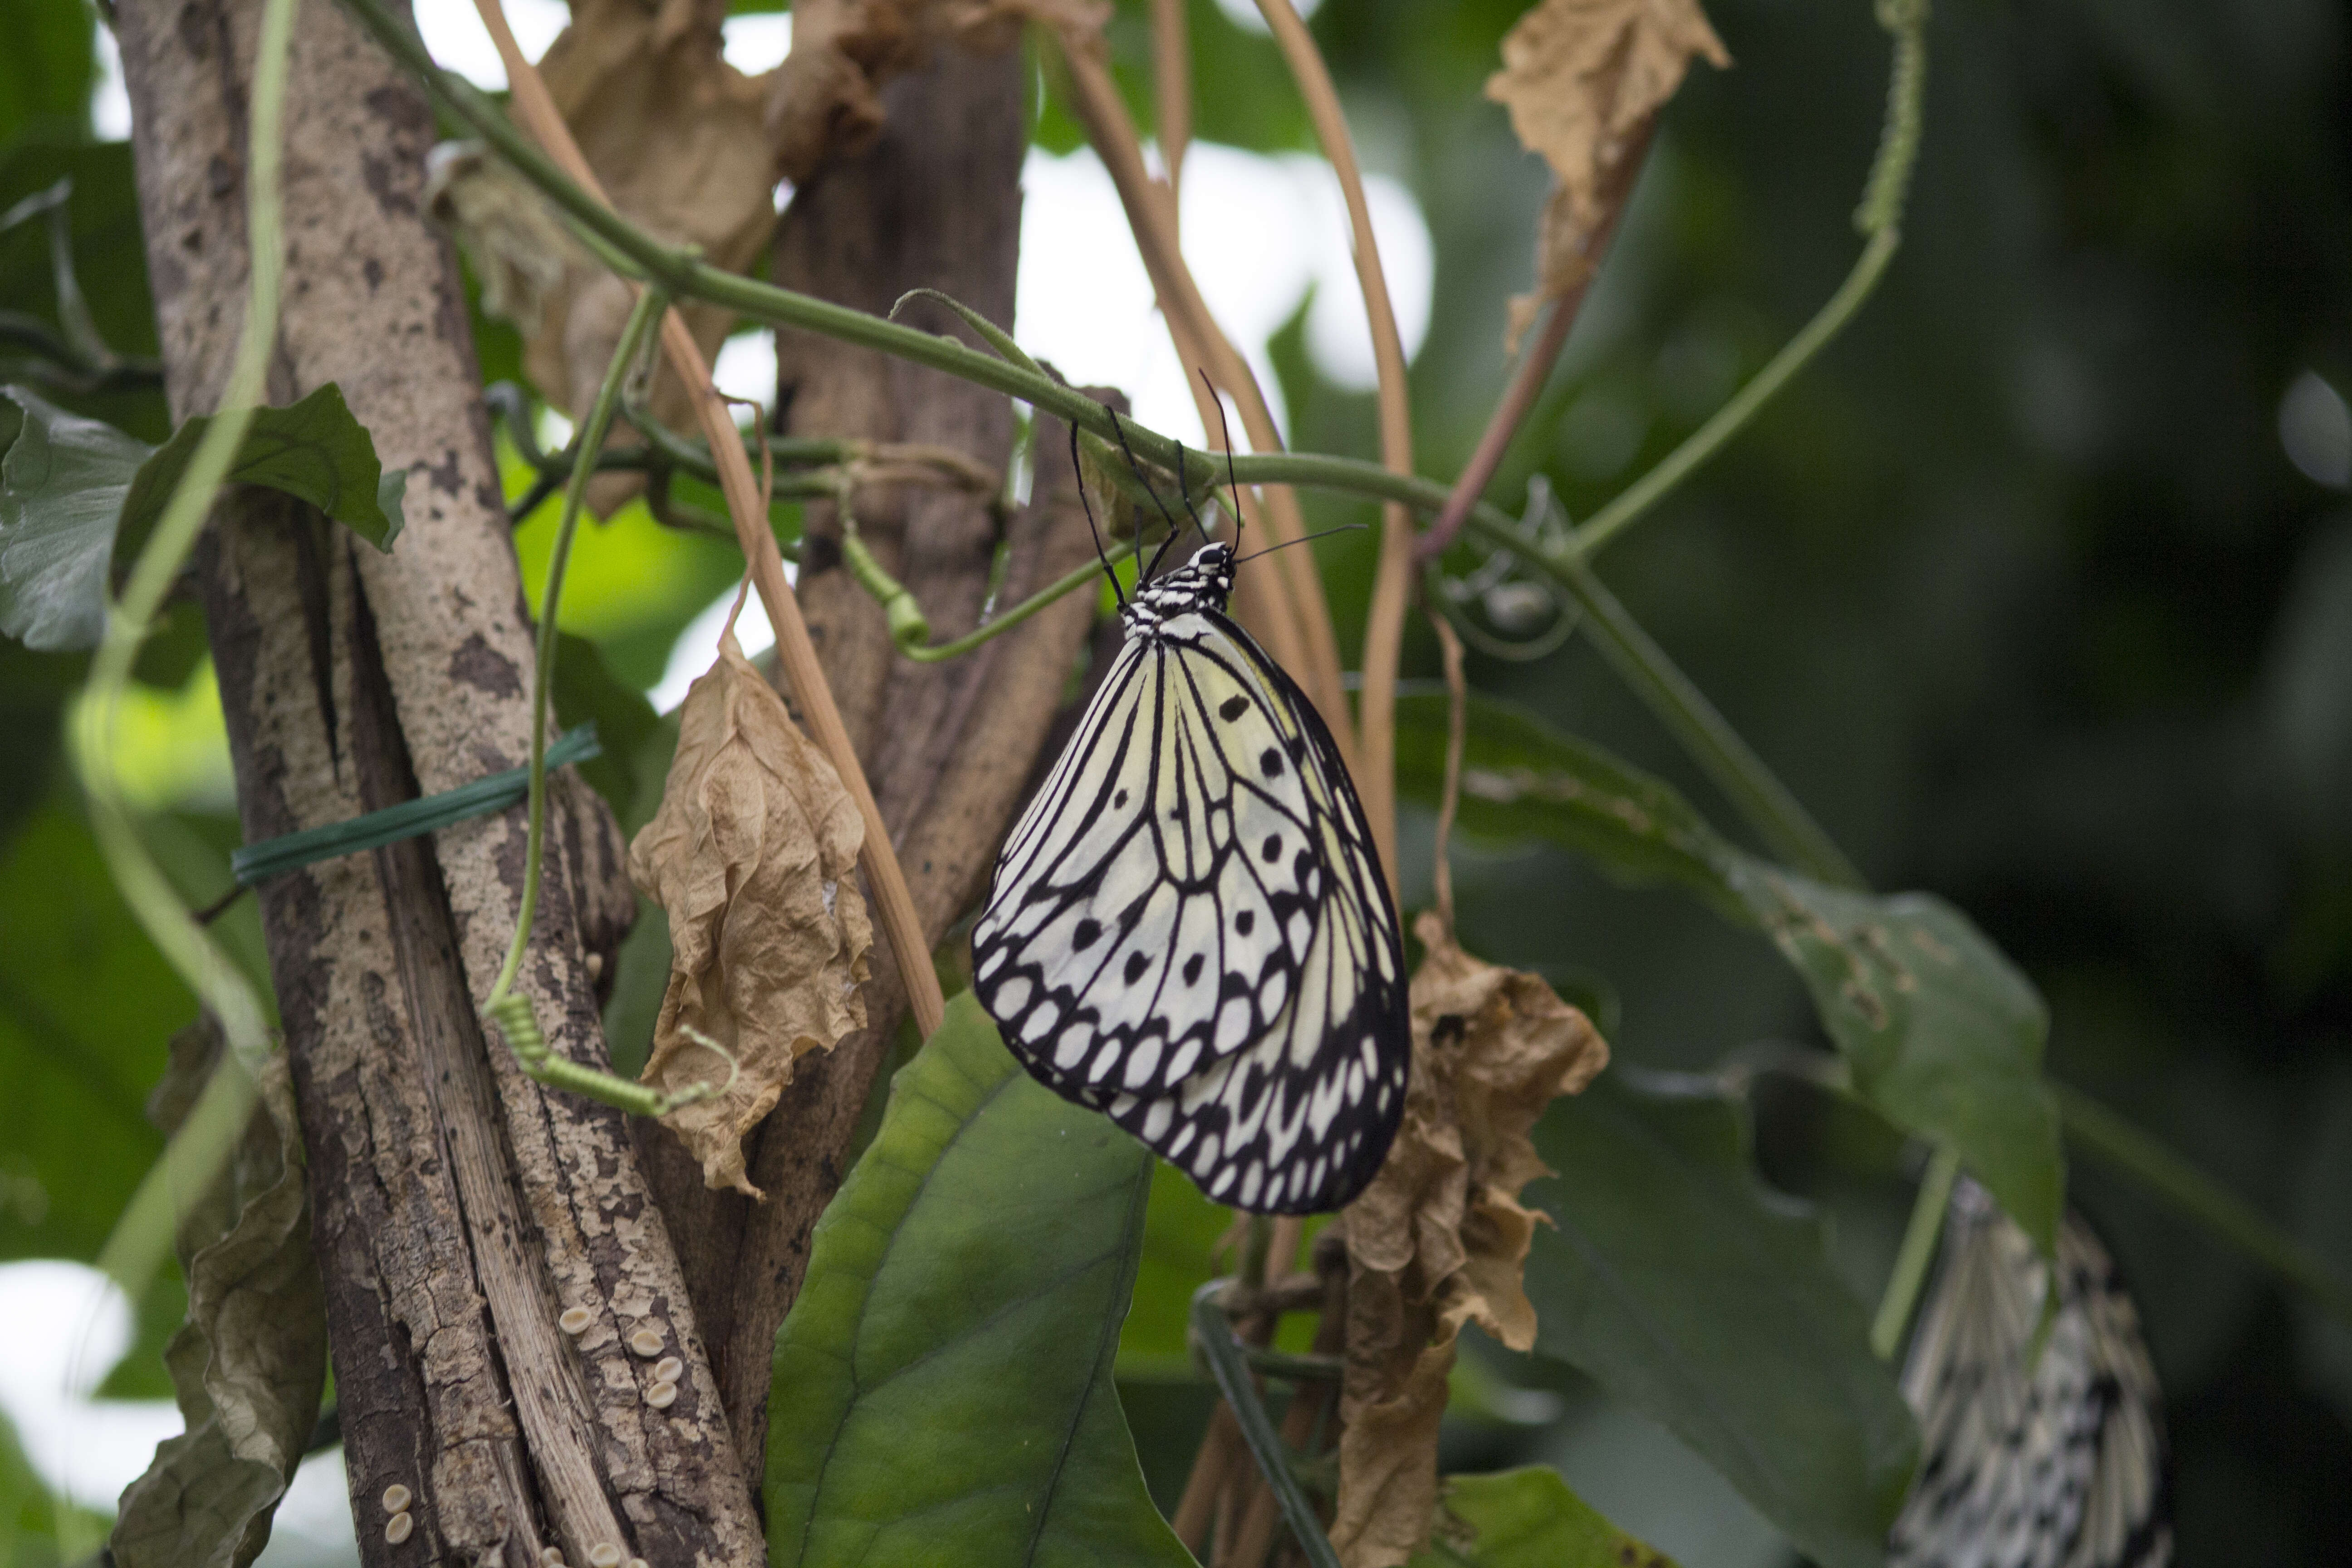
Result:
[[1703, 443], [2141, 1154], [785, 451], [513, 1013], [1916, 1253], [1878, 217], [909, 631], [141, 1237], [1214, 1333], [685, 276], [1755, 792]]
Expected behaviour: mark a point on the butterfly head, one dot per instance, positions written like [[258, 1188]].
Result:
[[1204, 583]]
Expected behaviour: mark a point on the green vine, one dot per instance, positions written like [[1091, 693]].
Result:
[[142, 1235], [510, 1010], [1916, 1253]]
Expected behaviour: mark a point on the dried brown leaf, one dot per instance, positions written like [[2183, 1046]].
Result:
[[674, 132], [518, 248], [753, 855], [1582, 80], [1440, 1238], [250, 1363]]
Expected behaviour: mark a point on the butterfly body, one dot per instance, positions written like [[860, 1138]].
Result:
[[1189, 929]]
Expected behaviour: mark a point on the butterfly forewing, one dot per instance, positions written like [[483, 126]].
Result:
[[1189, 928]]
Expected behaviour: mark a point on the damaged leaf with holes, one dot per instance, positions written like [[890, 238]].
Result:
[[1440, 1238], [754, 858], [1942, 1033]]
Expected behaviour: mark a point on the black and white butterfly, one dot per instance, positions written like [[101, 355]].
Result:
[[2055, 1460], [1189, 929]]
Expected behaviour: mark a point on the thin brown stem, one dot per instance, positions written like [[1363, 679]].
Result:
[[1392, 580], [1255, 1539], [1527, 384], [1457, 735], [1535, 367], [794, 651], [1221, 1450], [1172, 86], [1112, 132]]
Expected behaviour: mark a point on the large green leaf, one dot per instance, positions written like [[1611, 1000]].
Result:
[[313, 449], [62, 485], [636, 744], [1681, 1287], [48, 68], [1527, 1518], [943, 1384], [86, 1008], [1944, 1034], [108, 275], [77, 495]]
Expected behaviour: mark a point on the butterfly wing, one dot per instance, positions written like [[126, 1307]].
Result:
[[1189, 928], [2048, 1462]]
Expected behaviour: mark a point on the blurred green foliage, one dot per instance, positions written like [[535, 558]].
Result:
[[2019, 589]]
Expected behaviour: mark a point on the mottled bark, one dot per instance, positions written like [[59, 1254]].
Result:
[[457, 1207]]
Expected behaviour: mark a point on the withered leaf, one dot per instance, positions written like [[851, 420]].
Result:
[[754, 855], [1440, 1237], [674, 133], [250, 1363], [519, 250], [1582, 80]]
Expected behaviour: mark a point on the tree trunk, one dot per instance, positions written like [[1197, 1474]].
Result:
[[457, 1208], [948, 747]]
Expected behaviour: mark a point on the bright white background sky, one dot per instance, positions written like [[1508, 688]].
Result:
[[1260, 234]]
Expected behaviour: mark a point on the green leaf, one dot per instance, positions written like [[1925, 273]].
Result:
[[944, 1386], [637, 746], [314, 450], [77, 495], [1944, 1034], [249, 1363], [86, 1006], [1182, 1226], [109, 269], [62, 485], [48, 68], [1527, 1518], [1686, 1292]]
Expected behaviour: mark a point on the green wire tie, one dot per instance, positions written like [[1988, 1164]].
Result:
[[256, 863]]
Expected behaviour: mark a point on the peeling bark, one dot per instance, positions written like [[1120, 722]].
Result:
[[457, 1207]]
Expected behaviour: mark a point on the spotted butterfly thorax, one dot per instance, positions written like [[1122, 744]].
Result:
[[1189, 928]]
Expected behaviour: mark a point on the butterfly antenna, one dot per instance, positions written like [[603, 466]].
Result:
[[1094, 528], [1224, 434], [1304, 539], [1173, 530]]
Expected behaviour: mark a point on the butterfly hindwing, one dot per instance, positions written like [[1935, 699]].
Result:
[[2053, 1459], [1189, 928]]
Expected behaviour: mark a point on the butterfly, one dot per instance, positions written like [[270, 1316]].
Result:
[[2048, 1461], [1189, 931]]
